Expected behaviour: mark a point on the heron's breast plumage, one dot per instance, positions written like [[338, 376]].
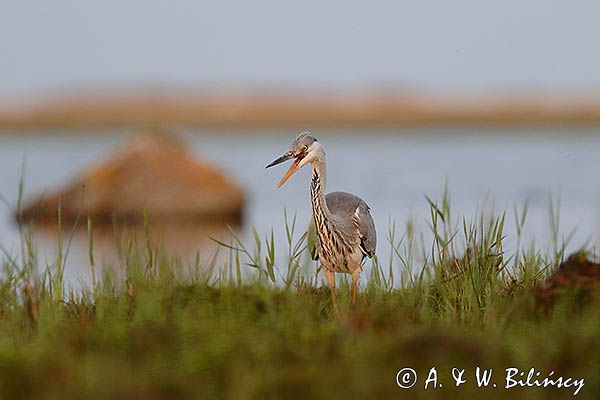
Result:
[[338, 234]]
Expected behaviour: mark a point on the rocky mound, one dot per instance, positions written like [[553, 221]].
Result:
[[153, 172]]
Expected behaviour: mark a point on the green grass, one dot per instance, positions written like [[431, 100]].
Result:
[[261, 326]]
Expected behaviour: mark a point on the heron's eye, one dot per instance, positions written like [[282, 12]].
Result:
[[304, 148]]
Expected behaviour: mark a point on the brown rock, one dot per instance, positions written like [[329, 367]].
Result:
[[153, 173]]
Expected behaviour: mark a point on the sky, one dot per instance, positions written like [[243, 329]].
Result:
[[58, 45]]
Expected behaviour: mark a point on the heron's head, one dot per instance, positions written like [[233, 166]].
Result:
[[303, 150]]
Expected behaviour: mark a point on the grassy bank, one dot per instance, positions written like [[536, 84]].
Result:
[[261, 326], [297, 109]]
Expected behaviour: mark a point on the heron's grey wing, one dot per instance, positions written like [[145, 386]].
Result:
[[366, 227], [312, 240], [348, 209]]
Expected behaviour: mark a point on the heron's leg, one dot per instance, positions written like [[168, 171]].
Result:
[[354, 284], [330, 276]]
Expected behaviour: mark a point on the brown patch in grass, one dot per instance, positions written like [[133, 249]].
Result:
[[576, 273]]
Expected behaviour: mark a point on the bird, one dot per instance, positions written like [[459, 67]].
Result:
[[341, 233]]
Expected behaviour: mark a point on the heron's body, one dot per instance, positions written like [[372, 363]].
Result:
[[355, 229], [341, 233]]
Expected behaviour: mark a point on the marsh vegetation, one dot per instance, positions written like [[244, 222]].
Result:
[[256, 322]]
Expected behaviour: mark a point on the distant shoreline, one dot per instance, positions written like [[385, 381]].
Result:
[[291, 109]]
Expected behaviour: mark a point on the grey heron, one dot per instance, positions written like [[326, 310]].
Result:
[[341, 232]]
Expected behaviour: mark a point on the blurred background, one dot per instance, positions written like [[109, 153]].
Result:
[[500, 102]]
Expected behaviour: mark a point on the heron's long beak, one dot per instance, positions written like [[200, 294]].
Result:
[[293, 168], [281, 159]]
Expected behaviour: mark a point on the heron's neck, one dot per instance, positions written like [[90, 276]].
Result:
[[317, 190]]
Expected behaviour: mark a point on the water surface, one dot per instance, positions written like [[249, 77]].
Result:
[[392, 171]]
